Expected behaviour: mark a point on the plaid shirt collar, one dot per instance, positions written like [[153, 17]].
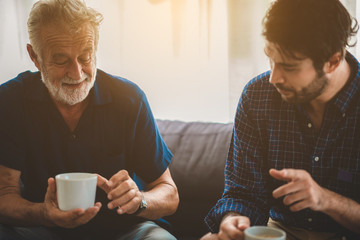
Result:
[[347, 94]]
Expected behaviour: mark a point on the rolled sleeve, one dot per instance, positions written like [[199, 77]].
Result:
[[224, 206]]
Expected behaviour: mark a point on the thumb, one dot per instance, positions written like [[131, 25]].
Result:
[[103, 183], [243, 224], [51, 190]]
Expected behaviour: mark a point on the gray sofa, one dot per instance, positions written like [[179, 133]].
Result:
[[200, 151]]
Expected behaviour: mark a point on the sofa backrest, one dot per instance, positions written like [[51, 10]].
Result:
[[200, 151]]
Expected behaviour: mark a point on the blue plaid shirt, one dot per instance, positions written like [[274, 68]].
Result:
[[271, 133]]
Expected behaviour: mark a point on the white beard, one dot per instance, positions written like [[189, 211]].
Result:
[[65, 94]]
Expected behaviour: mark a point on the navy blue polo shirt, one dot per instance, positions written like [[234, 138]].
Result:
[[116, 131]]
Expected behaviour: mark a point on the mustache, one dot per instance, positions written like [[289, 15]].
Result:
[[281, 87], [68, 80]]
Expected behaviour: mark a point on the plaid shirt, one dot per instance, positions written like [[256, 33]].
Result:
[[271, 133]]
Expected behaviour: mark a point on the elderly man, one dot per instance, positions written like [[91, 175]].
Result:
[[71, 117], [295, 150]]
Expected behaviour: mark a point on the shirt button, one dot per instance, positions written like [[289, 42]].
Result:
[[73, 136], [309, 125], [309, 219], [343, 238], [344, 115], [316, 159]]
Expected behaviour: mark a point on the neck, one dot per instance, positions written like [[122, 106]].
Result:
[[71, 113], [337, 80]]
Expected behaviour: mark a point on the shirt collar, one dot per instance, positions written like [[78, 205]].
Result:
[[348, 93], [100, 94]]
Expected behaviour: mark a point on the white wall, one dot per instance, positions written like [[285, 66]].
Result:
[[13, 38], [191, 57], [164, 48], [169, 48]]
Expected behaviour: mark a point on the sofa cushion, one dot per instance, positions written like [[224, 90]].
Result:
[[200, 151]]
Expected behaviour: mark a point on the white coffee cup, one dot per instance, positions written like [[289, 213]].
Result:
[[264, 233], [76, 190]]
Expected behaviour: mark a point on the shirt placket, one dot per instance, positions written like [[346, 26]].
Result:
[[323, 141]]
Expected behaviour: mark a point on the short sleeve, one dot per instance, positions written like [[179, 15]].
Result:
[[11, 127], [151, 156]]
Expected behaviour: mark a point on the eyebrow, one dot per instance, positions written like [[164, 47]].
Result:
[[86, 50], [283, 64], [59, 55], [288, 65]]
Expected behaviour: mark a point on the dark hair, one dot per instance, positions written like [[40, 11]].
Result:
[[314, 28]]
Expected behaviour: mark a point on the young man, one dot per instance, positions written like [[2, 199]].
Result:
[[71, 117], [295, 150]]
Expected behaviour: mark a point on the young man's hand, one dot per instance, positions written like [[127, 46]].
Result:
[[300, 191]]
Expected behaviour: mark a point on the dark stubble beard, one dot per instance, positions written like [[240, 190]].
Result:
[[314, 89]]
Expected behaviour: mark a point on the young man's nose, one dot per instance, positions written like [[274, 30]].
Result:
[[276, 75]]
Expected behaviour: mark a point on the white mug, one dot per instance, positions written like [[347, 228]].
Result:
[[264, 233], [76, 190]]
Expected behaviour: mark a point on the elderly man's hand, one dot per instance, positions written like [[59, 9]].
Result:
[[66, 219], [300, 191], [122, 192]]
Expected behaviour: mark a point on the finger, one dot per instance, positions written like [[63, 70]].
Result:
[[51, 186], [231, 235], [229, 228], [103, 183], [92, 211], [289, 174], [131, 206], [88, 214], [118, 178], [67, 219], [123, 199], [210, 236], [50, 195], [293, 198], [122, 189], [77, 217], [280, 174], [287, 189], [243, 223], [300, 205], [243, 226]]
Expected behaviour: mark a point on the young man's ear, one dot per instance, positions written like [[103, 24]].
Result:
[[332, 64], [34, 57]]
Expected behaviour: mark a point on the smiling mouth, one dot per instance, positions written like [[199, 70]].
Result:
[[73, 85]]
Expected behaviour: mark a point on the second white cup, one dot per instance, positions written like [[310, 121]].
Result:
[[264, 233], [76, 190]]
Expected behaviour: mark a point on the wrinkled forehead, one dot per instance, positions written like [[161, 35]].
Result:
[[55, 36]]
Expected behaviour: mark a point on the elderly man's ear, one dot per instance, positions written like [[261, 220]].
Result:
[[33, 56]]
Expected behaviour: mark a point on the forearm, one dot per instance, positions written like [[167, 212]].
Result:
[[343, 210], [15, 210], [162, 200]]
